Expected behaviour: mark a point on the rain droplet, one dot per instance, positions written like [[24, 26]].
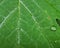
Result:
[[53, 28], [56, 41]]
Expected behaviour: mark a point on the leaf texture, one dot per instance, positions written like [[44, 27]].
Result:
[[28, 23]]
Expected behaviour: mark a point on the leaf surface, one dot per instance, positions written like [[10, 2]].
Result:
[[28, 24]]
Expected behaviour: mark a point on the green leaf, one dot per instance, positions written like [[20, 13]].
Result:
[[29, 24]]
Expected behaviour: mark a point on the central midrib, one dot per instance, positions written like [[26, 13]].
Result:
[[18, 24]]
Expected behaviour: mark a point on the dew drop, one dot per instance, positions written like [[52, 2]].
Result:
[[53, 28], [55, 41]]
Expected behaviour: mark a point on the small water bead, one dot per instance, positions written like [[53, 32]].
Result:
[[53, 28], [56, 41]]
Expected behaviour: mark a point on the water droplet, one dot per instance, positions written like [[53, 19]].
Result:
[[53, 28], [55, 41]]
